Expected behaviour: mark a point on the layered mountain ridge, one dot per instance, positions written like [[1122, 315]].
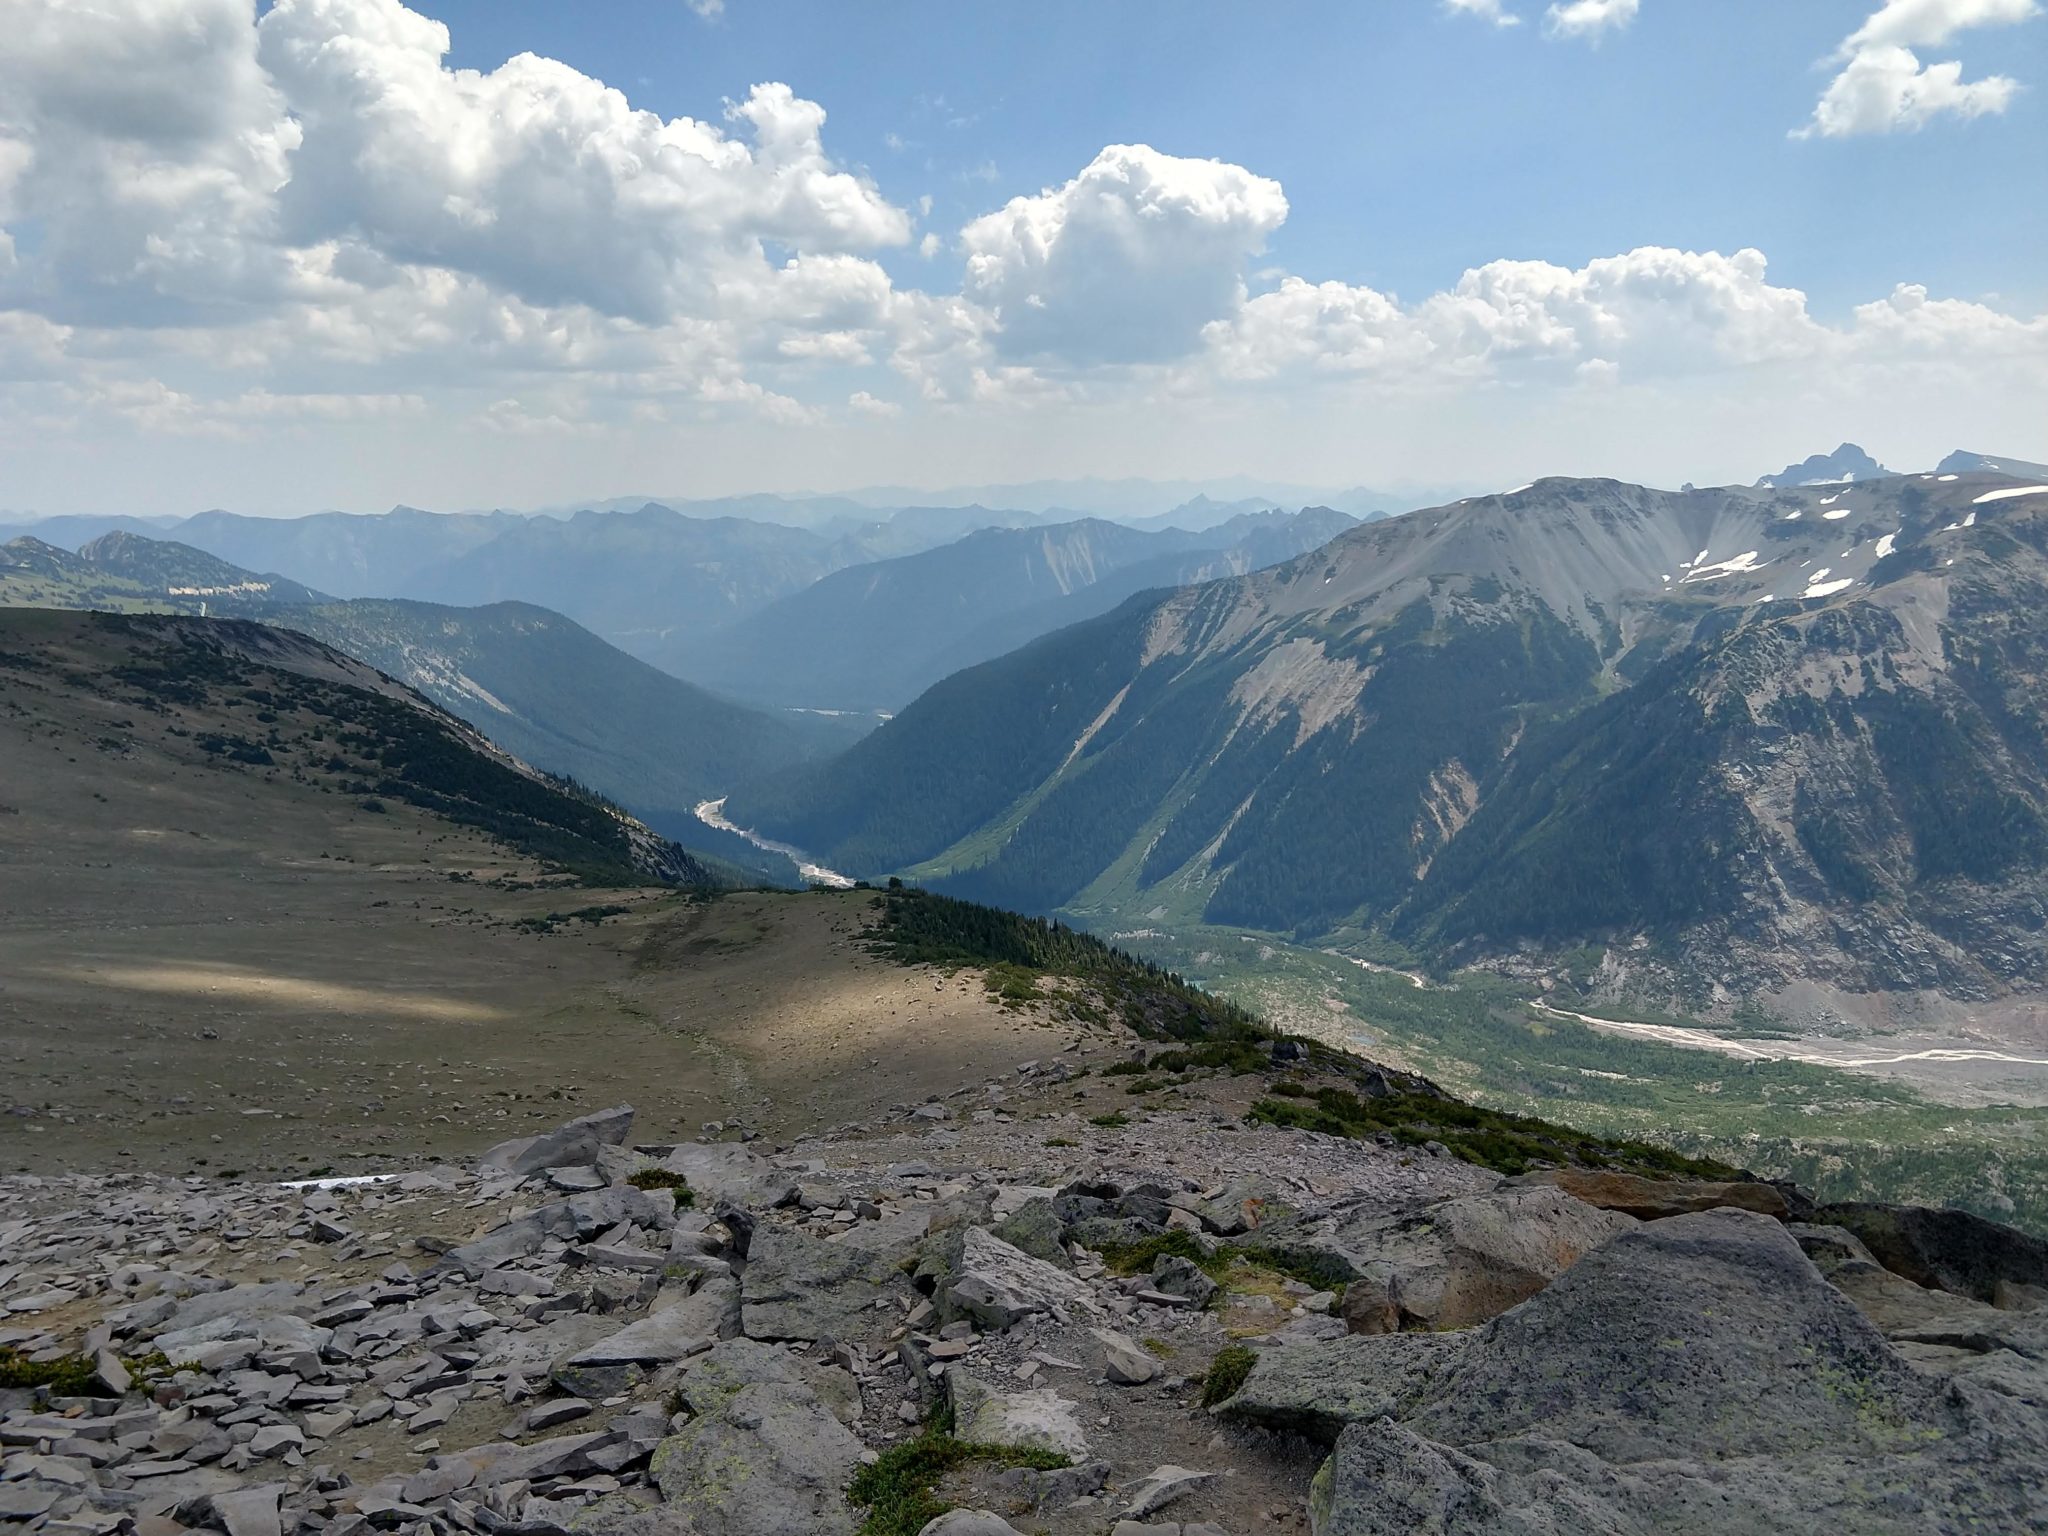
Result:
[[1745, 734], [874, 636]]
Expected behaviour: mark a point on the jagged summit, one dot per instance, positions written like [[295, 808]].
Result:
[[1847, 463]]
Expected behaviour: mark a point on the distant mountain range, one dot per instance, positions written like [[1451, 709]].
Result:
[[534, 682], [875, 636], [1743, 735]]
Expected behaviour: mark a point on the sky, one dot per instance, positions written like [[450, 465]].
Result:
[[347, 253]]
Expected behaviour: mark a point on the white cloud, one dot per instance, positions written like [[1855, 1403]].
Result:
[[1919, 23], [1125, 263], [1648, 314], [310, 234], [1589, 19], [710, 10], [1485, 10], [1882, 86]]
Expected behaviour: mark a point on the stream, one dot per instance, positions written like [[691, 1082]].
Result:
[[712, 814]]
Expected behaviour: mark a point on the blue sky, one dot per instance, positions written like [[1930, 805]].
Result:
[[472, 252], [1412, 142]]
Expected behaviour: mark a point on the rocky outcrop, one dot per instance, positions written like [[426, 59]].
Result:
[[574, 1145], [1694, 1375], [1462, 1261], [607, 1364], [1949, 1251], [1653, 1199]]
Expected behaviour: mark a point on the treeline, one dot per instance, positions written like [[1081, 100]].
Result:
[[922, 928]]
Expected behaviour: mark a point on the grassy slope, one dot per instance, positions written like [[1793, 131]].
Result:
[[1844, 1135]]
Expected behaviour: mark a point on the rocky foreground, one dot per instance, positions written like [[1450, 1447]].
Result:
[[994, 1316]]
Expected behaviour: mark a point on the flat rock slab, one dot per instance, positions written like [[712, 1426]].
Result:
[[1654, 1199], [802, 1287], [1315, 1390], [1037, 1418]]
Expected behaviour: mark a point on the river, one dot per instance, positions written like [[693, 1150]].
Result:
[[712, 814]]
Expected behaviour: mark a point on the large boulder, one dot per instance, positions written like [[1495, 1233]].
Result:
[[997, 1286], [727, 1173], [1949, 1251], [1459, 1262], [802, 1287], [769, 1460], [1316, 1389], [1695, 1375], [574, 1145], [1654, 1199]]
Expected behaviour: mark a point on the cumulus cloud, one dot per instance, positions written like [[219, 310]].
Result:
[[1917, 23], [1883, 87], [542, 180], [1648, 314], [308, 226], [144, 147], [1123, 264], [1485, 10], [1589, 19]]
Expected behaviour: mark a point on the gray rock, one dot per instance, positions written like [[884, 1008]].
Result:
[[1161, 1487], [1173, 1275], [1315, 1390], [1036, 1417], [771, 1461], [968, 1522], [801, 1287], [674, 1333], [1694, 1375], [1946, 1250], [1245, 1205], [997, 1286], [1461, 1261], [1035, 1228], [567, 1146], [1125, 1362], [725, 1173], [266, 1299]]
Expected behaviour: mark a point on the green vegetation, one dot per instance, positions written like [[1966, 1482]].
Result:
[[1506, 1143], [899, 1488], [1844, 1135], [920, 928], [74, 1375], [1115, 1120], [663, 1178], [1225, 1262], [1227, 1373]]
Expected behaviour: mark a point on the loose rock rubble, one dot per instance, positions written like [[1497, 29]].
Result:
[[712, 1339]]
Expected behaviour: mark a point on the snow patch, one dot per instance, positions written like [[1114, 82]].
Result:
[[2008, 493], [1837, 515], [1947, 477], [1817, 585], [1886, 545], [1738, 565]]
